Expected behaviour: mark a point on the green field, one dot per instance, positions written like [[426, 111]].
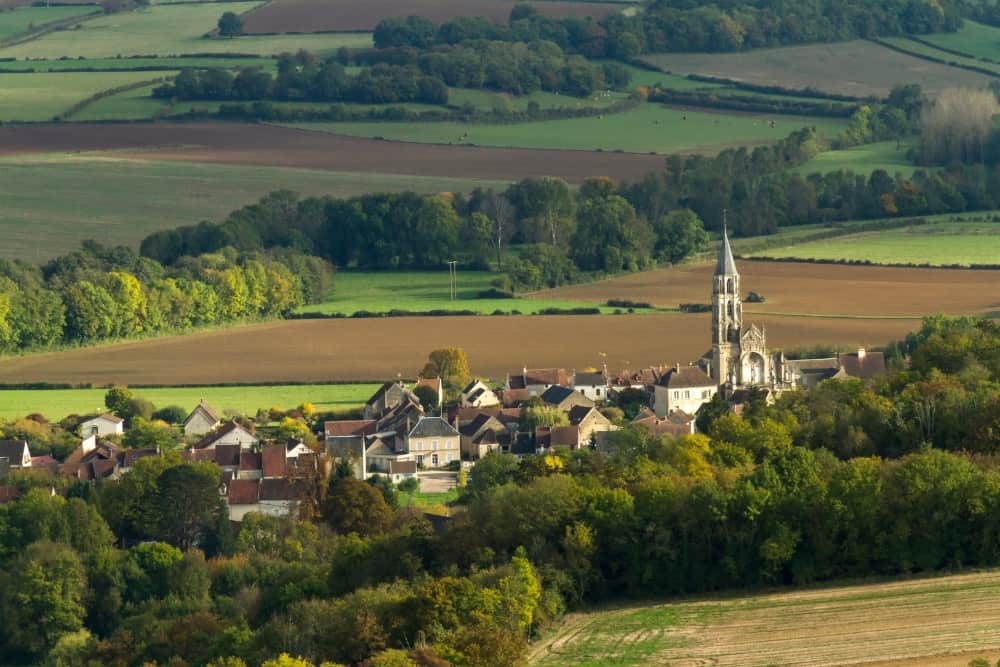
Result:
[[648, 129], [167, 63], [171, 30], [920, 49], [936, 243], [40, 97], [427, 500], [861, 160], [49, 204], [975, 39], [27, 19], [425, 290], [58, 403]]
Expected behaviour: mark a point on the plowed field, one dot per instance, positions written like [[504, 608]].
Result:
[[349, 15], [237, 143], [939, 622]]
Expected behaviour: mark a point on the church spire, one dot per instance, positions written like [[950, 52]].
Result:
[[726, 265]]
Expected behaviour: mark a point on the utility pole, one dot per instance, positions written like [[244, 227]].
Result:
[[453, 278]]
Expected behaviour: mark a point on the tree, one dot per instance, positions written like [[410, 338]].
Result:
[[117, 399], [679, 234], [187, 503], [956, 126], [451, 365], [428, 397], [143, 434], [493, 470], [538, 416], [352, 506], [230, 25], [410, 486]]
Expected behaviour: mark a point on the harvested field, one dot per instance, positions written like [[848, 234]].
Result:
[[304, 16], [858, 68], [373, 349], [944, 621], [810, 289], [236, 143]]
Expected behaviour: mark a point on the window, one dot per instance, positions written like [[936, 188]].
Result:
[[687, 394], [434, 460], [434, 444], [706, 393], [677, 394], [598, 391], [420, 460]]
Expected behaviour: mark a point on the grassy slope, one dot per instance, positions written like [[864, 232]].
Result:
[[975, 39], [919, 49], [42, 96], [23, 19], [650, 128], [170, 30], [422, 291], [50, 204], [57, 403], [861, 160], [936, 243]]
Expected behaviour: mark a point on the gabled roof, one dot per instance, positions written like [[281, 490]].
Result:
[[472, 383], [250, 461], [281, 489], [487, 437], [13, 450], [685, 377], [130, 456], [273, 460], [595, 379], [377, 446], [725, 265], [380, 392], [107, 416], [579, 412], [219, 433], [556, 394], [862, 364], [545, 376], [242, 492], [429, 427], [43, 460], [349, 428], [206, 410], [227, 455], [433, 383], [513, 397]]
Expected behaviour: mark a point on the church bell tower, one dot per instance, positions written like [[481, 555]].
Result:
[[727, 316]]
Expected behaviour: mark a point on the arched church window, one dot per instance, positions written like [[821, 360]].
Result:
[[729, 286]]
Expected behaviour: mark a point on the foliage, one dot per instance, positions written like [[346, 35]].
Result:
[[230, 25], [451, 365]]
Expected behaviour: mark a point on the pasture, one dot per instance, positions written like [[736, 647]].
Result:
[[308, 16], [943, 621], [51, 203], [151, 64], [362, 350], [169, 30], [271, 146], [974, 39], [42, 96], [651, 128], [940, 243], [247, 399], [873, 69], [862, 160], [28, 19], [928, 51]]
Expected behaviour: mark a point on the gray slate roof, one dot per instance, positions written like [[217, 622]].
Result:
[[556, 394], [429, 427], [726, 266]]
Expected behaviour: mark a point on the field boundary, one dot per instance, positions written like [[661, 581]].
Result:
[[867, 262], [100, 95], [940, 61], [51, 26]]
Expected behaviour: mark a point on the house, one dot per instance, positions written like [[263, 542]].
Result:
[[128, 458], [232, 433], [478, 395], [482, 434], [15, 454], [103, 425], [592, 426], [281, 497], [203, 419], [593, 385], [400, 470], [547, 437], [537, 380], [388, 396], [564, 398], [810, 372], [296, 448], [684, 388], [242, 498], [675, 424], [433, 442], [273, 461], [435, 385]]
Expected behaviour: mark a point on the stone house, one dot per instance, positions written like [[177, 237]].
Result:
[[593, 385], [203, 419], [477, 394], [103, 426], [433, 442], [565, 399], [684, 388]]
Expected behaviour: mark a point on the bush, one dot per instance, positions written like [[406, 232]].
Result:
[[494, 293], [755, 297], [172, 414], [628, 303], [696, 307]]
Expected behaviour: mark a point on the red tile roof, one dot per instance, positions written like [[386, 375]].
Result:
[[273, 459], [242, 492], [227, 455], [250, 461], [433, 383], [349, 427]]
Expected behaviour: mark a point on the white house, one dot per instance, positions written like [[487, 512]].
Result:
[[203, 419], [433, 442], [103, 425], [230, 434], [478, 395], [593, 385], [684, 388]]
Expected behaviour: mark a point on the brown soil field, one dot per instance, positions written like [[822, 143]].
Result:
[[810, 289], [374, 349], [348, 15], [859, 68], [943, 621], [239, 143]]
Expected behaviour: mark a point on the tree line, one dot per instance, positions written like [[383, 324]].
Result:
[[680, 25], [102, 292], [856, 478]]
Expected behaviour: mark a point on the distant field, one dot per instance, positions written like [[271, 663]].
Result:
[[134, 63], [49, 204], [862, 160], [975, 39], [945, 622], [170, 30], [25, 19], [337, 15], [58, 403], [40, 97], [650, 128], [426, 290], [920, 49], [939, 243], [857, 68]]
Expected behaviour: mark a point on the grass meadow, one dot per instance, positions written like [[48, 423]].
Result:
[[921, 49], [51, 203], [170, 30], [943, 621], [40, 97], [650, 128], [975, 39], [133, 63], [27, 19], [861, 160], [58, 403], [936, 243]]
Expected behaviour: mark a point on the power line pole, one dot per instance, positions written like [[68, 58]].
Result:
[[453, 278]]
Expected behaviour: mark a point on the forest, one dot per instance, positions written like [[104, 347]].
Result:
[[855, 478]]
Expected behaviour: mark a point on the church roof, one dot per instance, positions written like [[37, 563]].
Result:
[[726, 266]]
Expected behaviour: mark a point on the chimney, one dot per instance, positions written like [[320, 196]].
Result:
[[861, 353]]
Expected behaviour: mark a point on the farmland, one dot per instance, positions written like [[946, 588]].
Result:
[[307, 16], [974, 39], [650, 128], [26, 19], [51, 203], [169, 30], [58, 403], [873, 69], [861, 160], [43, 96], [945, 622], [243, 144], [939, 243]]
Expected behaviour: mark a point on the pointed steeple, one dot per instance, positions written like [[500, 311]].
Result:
[[726, 266]]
